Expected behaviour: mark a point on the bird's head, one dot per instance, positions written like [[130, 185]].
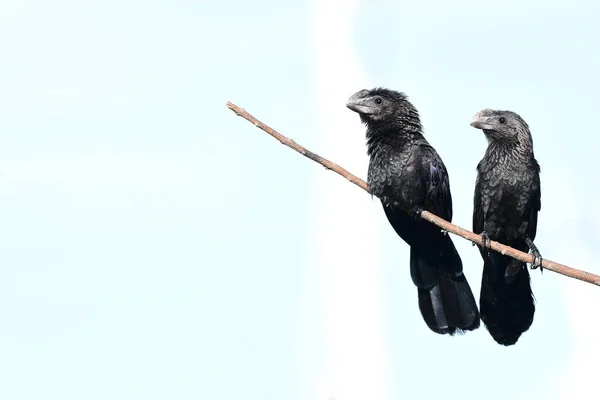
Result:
[[502, 126], [384, 106]]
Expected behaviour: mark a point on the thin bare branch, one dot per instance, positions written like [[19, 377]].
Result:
[[434, 219]]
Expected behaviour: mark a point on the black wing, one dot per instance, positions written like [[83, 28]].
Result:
[[438, 199], [535, 202], [478, 212]]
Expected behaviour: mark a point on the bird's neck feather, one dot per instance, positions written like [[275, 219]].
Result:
[[512, 149], [395, 134]]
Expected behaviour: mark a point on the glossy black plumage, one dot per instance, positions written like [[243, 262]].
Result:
[[407, 174], [506, 204]]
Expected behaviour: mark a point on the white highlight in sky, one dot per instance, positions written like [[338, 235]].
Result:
[[345, 236]]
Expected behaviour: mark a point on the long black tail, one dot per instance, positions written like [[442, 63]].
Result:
[[446, 301], [507, 302]]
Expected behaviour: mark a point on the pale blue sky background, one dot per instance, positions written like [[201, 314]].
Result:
[[155, 246]]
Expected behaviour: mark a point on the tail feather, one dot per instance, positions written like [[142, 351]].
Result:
[[506, 302], [449, 307], [446, 301], [432, 310]]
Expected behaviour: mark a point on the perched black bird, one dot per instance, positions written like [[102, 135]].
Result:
[[507, 201], [408, 176]]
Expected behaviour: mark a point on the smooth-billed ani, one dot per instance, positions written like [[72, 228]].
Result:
[[506, 205], [408, 176]]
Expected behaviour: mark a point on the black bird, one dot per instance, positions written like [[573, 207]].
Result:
[[506, 205], [408, 176]]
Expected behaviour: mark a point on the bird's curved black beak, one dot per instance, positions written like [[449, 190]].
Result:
[[358, 102], [481, 120]]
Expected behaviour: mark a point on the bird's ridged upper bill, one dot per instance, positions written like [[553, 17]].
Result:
[[359, 102], [481, 120]]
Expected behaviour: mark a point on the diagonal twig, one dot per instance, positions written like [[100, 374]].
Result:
[[434, 219]]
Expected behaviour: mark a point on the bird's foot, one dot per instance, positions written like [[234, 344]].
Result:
[[537, 257], [486, 243], [417, 213]]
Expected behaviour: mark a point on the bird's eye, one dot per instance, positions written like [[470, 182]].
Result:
[[378, 100], [502, 120]]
